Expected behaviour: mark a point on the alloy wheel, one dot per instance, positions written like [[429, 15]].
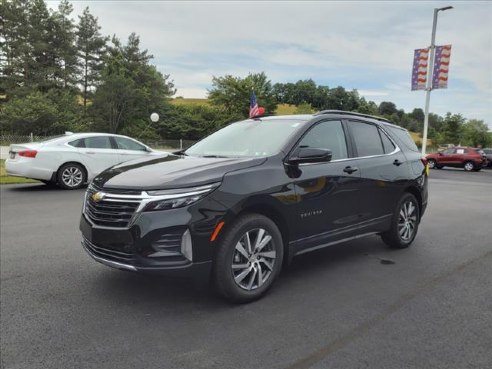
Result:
[[407, 220], [469, 166], [253, 259], [72, 176]]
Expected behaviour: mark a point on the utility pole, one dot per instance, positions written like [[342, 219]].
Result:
[[430, 68]]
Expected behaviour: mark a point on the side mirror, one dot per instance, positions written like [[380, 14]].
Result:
[[311, 155]]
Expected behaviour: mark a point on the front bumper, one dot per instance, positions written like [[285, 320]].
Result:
[[194, 270], [170, 242]]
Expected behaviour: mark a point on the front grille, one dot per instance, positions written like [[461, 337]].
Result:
[[114, 210], [108, 253]]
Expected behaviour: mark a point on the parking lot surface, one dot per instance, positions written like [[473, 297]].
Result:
[[335, 308]]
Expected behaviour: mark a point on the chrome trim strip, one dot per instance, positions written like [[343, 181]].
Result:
[[359, 225], [143, 199], [335, 242], [110, 263]]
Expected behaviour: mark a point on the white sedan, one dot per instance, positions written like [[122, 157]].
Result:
[[73, 159]]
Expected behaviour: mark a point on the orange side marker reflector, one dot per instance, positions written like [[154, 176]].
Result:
[[216, 231]]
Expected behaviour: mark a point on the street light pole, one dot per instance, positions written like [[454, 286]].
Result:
[[430, 69]]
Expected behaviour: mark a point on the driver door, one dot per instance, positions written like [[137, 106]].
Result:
[[328, 192]]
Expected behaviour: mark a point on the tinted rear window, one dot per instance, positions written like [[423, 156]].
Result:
[[403, 136]]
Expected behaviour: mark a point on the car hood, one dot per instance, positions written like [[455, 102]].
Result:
[[171, 171]]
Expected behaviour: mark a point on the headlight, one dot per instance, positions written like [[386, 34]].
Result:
[[172, 199]]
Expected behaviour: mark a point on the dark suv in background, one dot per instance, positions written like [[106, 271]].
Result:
[[242, 202]]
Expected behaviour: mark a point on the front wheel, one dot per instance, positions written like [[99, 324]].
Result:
[[248, 259], [405, 223], [431, 163]]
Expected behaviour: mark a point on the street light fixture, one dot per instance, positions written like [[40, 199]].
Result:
[[430, 68]]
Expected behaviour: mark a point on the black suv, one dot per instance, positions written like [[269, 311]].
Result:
[[243, 201]]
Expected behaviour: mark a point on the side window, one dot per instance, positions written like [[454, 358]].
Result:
[[387, 144], [327, 135], [367, 139], [448, 152], [460, 151], [404, 137], [127, 144], [77, 143], [98, 142]]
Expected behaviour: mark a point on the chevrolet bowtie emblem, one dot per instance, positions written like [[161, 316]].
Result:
[[97, 196]]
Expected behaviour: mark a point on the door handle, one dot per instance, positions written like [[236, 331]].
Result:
[[350, 170], [397, 162]]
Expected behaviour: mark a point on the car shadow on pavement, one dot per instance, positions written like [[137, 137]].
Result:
[[164, 292]]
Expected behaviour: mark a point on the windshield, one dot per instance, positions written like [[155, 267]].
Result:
[[247, 138]]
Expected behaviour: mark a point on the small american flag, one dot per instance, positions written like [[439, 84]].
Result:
[[253, 105]]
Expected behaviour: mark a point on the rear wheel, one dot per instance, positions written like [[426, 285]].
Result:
[[71, 176], [469, 166], [405, 223], [248, 259]]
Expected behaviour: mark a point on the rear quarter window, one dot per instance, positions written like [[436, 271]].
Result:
[[404, 137]]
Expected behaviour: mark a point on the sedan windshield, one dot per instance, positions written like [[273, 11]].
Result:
[[247, 138]]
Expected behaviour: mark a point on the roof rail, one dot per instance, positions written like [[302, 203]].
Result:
[[343, 112]]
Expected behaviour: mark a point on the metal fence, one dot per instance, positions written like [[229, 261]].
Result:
[[6, 140]]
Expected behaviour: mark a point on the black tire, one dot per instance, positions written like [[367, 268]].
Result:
[[468, 166], [71, 176], [439, 166], [232, 284], [432, 163], [393, 237]]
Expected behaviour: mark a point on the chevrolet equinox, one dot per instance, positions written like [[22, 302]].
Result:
[[239, 204]]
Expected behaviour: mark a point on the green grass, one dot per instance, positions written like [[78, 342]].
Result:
[[285, 109], [5, 179], [182, 101]]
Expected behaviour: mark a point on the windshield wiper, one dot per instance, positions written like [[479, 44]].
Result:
[[214, 156]]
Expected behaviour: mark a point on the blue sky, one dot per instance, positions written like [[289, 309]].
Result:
[[367, 45]]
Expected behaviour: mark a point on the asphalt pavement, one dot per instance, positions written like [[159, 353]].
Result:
[[335, 308]]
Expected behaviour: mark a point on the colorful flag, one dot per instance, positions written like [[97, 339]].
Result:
[[441, 67], [253, 105], [419, 71]]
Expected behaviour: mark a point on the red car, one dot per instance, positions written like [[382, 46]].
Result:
[[458, 157]]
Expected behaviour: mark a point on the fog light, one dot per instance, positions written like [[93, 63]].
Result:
[[186, 245]]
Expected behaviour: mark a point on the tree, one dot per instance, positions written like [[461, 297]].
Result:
[[233, 94], [387, 108], [476, 133], [62, 45], [91, 46], [130, 88], [452, 128]]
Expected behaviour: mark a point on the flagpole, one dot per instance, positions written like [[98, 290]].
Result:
[[430, 69]]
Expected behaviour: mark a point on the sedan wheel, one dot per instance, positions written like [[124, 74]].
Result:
[[71, 176], [248, 258], [432, 163]]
